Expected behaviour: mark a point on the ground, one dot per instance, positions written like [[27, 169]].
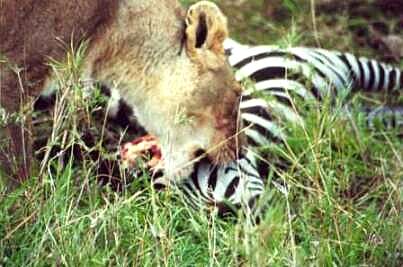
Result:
[[342, 206]]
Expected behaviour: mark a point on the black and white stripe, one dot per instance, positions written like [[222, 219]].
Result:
[[284, 74], [321, 67], [385, 117], [225, 187]]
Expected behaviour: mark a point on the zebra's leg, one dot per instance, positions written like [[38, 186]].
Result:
[[371, 75], [386, 117]]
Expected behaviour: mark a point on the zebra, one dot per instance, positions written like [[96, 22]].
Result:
[[283, 74], [278, 72]]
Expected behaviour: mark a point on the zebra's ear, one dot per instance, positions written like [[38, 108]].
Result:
[[206, 28]]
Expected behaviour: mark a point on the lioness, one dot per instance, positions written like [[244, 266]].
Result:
[[162, 60]]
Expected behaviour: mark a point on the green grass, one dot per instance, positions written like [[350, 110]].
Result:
[[342, 205]]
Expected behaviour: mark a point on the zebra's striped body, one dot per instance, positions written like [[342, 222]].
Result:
[[283, 74]]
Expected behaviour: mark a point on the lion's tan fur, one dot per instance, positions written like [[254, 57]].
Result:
[[136, 47]]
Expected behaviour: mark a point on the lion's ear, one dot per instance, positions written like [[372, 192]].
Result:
[[206, 27]]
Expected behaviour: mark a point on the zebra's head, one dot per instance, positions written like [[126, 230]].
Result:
[[207, 97]]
